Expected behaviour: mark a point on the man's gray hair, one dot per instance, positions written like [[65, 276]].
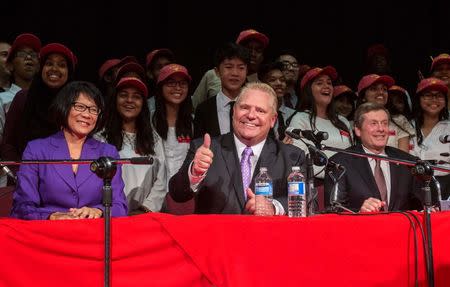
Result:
[[366, 108]]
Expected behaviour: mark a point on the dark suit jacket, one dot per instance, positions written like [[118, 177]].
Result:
[[221, 190], [358, 182], [206, 119]]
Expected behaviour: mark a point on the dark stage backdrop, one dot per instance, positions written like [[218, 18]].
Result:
[[322, 32]]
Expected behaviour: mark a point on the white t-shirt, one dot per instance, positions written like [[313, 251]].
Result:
[[431, 148], [144, 184]]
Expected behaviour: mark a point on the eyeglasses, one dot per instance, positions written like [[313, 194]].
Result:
[[182, 84], [438, 97], [23, 54], [288, 65], [82, 107]]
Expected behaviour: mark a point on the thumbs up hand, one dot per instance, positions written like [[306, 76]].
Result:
[[203, 157]]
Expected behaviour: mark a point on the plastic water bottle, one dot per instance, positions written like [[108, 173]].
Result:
[[296, 193], [263, 192]]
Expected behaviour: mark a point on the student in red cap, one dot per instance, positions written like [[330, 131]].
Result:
[[440, 68], [172, 118], [155, 61], [344, 100], [28, 117], [23, 64], [317, 112], [431, 119], [398, 102], [106, 76], [128, 128], [374, 88]]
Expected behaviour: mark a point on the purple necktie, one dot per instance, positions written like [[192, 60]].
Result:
[[246, 169]]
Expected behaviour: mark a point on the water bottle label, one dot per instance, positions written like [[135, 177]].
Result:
[[296, 188], [263, 189]]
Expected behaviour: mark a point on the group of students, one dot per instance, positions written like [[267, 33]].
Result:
[[148, 111]]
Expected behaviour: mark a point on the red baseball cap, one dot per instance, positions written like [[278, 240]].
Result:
[[341, 89], [432, 84], [108, 64], [369, 80], [131, 67], [159, 52], [315, 72], [442, 58], [26, 39], [58, 49], [254, 35], [399, 89], [133, 82], [173, 69]]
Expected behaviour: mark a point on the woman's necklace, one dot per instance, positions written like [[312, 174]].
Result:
[[129, 139]]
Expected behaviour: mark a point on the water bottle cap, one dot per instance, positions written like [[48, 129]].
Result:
[[261, 169], [295, 168]]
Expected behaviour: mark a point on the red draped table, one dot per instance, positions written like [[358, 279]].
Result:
[[223, 250]]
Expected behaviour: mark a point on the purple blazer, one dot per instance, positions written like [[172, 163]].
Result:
[[47, 188]]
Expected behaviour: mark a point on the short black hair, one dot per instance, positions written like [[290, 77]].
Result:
[[231, 50], [265, 68], [62, 104]]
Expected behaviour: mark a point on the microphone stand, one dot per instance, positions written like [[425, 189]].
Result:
[[423, 170], [312, 204], [334, 196], [105, 168]]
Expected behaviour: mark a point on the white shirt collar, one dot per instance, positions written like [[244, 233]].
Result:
[[241, 146]]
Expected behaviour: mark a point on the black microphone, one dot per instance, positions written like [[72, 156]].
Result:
[[8, 173], [318, 156], [141, 160], [306, 134], [444, 139]]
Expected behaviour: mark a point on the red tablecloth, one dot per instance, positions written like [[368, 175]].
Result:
[[217, 250]]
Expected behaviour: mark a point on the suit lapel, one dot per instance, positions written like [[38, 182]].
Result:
[[233, 166], [88, 152], [61, 152], [366, 173], [394, 170]]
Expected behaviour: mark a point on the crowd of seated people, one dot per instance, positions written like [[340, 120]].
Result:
[[207, 142]]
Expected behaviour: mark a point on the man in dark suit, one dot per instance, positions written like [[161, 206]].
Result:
[[213, 115], [211, 171], [363, 188]]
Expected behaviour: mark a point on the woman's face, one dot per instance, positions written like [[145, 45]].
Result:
[[55, 71], [397, 101], [129, 103], [322, 90], [175, 89], [82, 116], [377, 93], [432, 103], [344, 105]]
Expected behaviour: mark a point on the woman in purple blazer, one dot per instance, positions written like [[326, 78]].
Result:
[[49, 191]]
